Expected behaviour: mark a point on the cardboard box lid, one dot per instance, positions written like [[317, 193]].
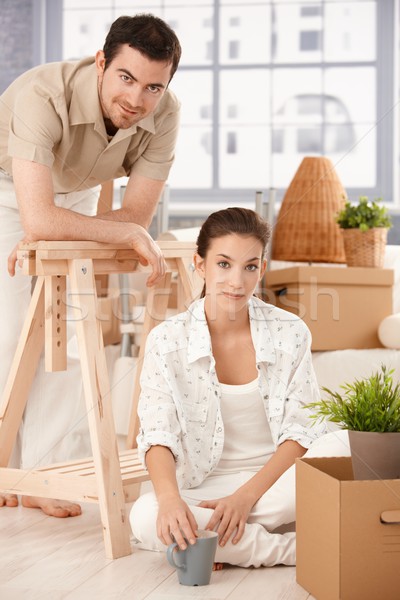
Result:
[[331, 275]]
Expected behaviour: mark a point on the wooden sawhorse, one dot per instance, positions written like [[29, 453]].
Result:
[[108, 477]]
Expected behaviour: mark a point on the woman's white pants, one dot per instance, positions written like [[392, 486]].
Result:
[[259, 546], [55, 426]]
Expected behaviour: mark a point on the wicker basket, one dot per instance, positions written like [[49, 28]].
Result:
[[365, 248], [306, 229]]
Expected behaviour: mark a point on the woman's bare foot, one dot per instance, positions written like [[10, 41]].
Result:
[[218, 566], [8, 500], [53, 508]]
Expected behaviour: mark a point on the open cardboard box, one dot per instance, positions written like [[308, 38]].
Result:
[[348, 532]]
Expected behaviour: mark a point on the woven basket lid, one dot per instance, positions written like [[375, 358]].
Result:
[[306, 229]]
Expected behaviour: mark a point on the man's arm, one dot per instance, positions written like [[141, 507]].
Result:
[[140, 201], [43, 220]]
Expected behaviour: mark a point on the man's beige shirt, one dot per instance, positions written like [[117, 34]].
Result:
[[52, 115]]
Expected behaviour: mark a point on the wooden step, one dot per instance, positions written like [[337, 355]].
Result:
[[73, 480]]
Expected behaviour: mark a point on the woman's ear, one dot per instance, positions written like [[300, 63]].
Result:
[[199, 265]]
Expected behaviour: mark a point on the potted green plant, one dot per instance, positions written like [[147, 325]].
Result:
[[369, 409], [364, 228]]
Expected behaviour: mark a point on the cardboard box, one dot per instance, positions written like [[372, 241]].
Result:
[[344, 550], [342, 306]]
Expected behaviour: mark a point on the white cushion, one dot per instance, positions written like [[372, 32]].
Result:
[[389, 331]]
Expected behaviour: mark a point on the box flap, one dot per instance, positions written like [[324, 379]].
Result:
[[317, 495], [338, 467]]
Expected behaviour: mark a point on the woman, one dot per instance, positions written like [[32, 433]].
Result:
[[222, 408]]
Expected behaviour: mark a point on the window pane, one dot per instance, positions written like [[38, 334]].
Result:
[[244, 96], [297, 32], [194, 28], [245, 35], [244, 137], [122, 7], [312, 2], [195, 108], [296, 142], [298, 109], [185, 3], [244, 156], [85, 32], [83, 4], [355, 90], [297, 95], [193, 163], [357, 168], [350, 31], [339, 139]]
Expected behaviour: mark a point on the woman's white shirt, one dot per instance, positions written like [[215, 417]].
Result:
[[248, 443], [179, 405]]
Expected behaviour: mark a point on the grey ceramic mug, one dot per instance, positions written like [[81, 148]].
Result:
[[194, 565]]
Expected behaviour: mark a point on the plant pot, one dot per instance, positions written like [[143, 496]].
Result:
[[375, 455], [365, 248]]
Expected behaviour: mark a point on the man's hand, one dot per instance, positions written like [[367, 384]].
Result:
[[149, 253], [175, 521], [12, 259], [230, 514]]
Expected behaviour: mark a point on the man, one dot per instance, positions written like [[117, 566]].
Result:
[[64, 129]]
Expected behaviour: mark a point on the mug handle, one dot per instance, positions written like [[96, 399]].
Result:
[[170, 555]]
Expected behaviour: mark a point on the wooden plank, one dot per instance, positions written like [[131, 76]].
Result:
[[175, 249], [156, 307], [132, 492], [186, 289], [115, 266], [98, 401], [21, 373], [101, 266], [125, 457], [95, 253], [170, 247], [104, 205], [55, 324], [48, 485], [280, 581]]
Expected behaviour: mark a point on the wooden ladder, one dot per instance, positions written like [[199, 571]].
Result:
[[108, 477]]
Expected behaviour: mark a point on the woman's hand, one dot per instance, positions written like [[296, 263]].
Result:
[[175, 521], [230, 514]]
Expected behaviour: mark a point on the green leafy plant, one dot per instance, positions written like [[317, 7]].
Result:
[[365, 215], [370, 404]]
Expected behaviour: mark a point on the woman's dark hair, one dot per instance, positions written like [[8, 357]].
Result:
[[146, 33], [241, 221]]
